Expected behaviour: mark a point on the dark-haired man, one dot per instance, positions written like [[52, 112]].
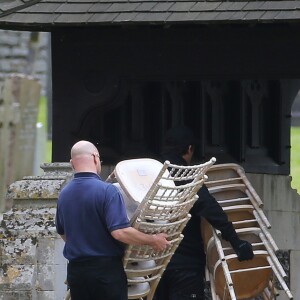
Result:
[[184, 276]]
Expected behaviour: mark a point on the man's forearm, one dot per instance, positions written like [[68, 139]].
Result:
[[132, 236]]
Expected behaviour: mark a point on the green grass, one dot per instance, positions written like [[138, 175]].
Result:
[[42, 117], [295, 157]]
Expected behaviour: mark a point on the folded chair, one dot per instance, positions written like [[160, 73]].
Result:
[[166, 192], [227, 174], [229, 278]]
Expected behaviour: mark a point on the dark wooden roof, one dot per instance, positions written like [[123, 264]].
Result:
[[49, 14]]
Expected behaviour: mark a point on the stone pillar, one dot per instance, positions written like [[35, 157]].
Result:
[[282, 208], [9, 118], [31, 262], [19, 99], [25, 91]]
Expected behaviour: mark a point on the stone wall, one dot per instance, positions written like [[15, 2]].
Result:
[[31, 263], [282, 208]]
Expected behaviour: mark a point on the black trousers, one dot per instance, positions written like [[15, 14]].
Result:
[[101, 278], [181, 285]]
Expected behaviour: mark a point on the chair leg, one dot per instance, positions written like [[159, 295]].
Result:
[[68, 295]]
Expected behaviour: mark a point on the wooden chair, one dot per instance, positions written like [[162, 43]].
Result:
[[227, 174], [229, 278], [242, 280]]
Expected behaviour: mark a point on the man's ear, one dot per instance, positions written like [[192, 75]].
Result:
[[71, 162]]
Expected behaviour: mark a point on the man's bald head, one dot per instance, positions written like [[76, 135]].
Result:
[[85, 157], [83, 148]]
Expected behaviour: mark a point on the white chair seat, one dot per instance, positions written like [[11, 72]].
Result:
[[136, 176], [140, 268], [142, 265], [138, 290]]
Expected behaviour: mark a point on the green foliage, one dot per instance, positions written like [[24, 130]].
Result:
[[295, 157]]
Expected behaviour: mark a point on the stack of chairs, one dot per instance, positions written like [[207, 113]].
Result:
[[158, 198], [164, 194], [229, 278]]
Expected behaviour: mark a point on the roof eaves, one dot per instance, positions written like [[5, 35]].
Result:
[[59, 13], [269, 16], [253, 15], [158, 17], [283, 15], [206, 16], [102, 18], [182, 16], [15, 6], [125, 17]]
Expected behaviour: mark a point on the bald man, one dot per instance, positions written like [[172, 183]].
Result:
[[91, 218]]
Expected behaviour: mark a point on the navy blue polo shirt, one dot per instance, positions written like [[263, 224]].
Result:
[[88, 210]]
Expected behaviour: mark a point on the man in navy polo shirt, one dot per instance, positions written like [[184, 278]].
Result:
[[92, 220]]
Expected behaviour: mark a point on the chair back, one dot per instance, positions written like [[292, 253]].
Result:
[[165, 193]]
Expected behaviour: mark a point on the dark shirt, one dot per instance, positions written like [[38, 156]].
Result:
[[190, 253], [88, 209]]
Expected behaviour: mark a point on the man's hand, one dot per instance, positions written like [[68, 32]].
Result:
[[160, 242], [243, 249]]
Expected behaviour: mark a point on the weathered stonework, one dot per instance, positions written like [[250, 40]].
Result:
[[31, 262]]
